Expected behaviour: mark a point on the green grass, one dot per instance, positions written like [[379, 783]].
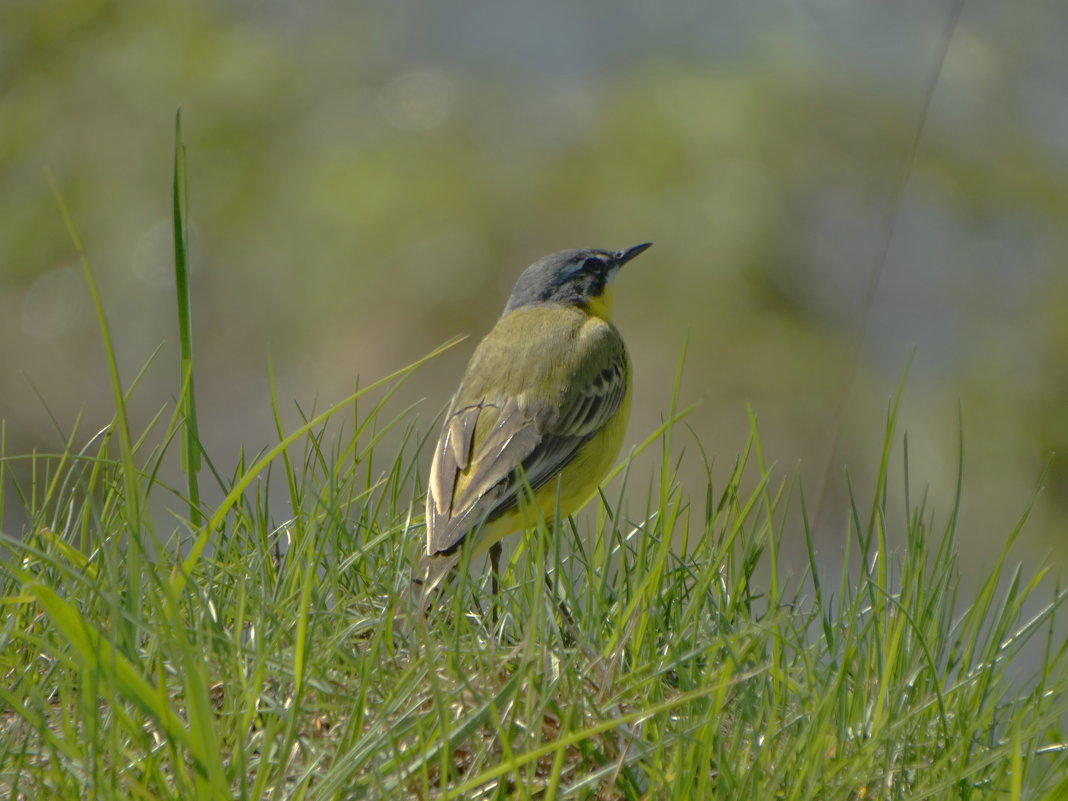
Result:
[[222, 652]]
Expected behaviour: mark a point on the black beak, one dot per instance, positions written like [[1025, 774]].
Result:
[[623, 256]]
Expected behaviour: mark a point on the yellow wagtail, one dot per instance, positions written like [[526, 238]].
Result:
[[545, 395]]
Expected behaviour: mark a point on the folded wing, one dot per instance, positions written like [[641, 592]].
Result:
[[489, 442]]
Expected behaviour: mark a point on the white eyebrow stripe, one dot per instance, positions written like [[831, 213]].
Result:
[[573, 268]]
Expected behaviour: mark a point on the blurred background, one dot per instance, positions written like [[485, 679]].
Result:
[[367, 180]]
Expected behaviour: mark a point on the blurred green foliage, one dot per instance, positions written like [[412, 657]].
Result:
[[367, 180]]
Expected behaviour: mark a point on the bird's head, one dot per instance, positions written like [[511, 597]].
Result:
[[572, 277]]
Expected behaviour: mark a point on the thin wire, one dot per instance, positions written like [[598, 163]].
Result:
[[881, 255]]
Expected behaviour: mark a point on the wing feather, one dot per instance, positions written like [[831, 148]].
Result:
[[493, 439]]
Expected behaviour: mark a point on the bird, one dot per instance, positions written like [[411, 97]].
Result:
[[541, 408]]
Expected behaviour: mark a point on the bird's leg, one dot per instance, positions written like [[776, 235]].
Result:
[[495, 584]]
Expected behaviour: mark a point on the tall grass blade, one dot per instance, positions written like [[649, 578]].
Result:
[[187, 402]]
